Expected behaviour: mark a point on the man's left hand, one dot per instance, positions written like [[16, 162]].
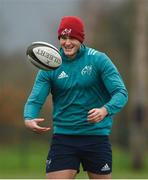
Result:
[[97, 114]]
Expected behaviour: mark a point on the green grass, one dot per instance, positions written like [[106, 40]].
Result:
[[28, 161], [122, 166]]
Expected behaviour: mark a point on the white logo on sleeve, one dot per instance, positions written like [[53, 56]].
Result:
[[105, 168], [62, 75]]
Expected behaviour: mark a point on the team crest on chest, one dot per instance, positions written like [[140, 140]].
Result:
[[86, 70]]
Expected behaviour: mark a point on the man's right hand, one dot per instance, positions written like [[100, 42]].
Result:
[[33, 125]]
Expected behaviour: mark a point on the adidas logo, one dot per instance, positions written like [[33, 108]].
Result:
[[62, 75], [48, 162], [105, 168]]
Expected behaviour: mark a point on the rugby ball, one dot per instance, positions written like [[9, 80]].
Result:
[[44, 55]]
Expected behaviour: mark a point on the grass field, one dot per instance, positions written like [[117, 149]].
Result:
[[28, 161]]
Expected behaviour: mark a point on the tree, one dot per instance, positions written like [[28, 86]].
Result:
[[138, 90]]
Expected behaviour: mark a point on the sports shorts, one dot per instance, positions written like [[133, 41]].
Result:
[[69, 151]]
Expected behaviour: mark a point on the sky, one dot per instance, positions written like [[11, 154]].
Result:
[[26, 21]]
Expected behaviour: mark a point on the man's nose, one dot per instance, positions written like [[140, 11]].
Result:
[[67, 41]]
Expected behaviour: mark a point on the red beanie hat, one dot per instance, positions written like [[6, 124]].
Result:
[[72, 26]]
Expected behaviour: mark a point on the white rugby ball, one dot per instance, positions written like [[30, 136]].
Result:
[[44, 55]]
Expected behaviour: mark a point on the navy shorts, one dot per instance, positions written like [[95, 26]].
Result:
[[68, 152]]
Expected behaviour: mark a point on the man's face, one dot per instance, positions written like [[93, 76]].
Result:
[[70, 46]]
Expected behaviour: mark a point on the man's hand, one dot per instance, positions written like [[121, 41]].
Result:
[[33, 125], [97, 114]]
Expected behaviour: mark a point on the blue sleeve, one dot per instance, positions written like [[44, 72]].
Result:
[[38, 95], [114, 85]]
